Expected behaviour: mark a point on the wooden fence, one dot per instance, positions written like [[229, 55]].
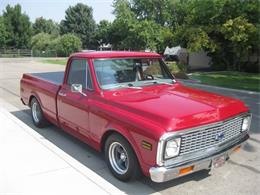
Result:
[[27, 53], [16, 52]]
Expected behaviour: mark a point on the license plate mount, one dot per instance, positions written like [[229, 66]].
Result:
[[218, 161]]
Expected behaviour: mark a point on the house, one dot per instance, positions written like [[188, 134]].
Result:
[[194, 60]]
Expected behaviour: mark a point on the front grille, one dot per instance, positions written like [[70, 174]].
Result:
[[209, 137]]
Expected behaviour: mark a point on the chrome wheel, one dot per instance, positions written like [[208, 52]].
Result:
[[36, 112], [118, 158]]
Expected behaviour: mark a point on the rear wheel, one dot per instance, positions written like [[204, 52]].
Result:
[[121, 159], [37, 115]]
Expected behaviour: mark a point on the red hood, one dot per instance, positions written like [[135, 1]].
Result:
[[176, 107]]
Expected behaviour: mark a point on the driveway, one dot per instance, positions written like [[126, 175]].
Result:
[[240, 175]]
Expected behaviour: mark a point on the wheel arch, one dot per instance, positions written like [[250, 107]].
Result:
[[127, 136], [34, 95], [30, 99]]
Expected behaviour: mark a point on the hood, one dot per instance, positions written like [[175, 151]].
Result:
[[176, 107]]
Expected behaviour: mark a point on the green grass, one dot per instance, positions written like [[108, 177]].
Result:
[[173, 66], [62, 61], [229, 79]]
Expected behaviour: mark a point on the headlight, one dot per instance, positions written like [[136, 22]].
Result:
[[172, 148], [246, 123]]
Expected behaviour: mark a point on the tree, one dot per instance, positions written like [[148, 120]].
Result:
[[18, 27], [3, 33], [102, 34], [143, 35], [79, 21], [120, 27], [222, 28], [219, 27], [67, 44], [42, 25], [42, 41], [239, 33], [155, 10], [129, 31]]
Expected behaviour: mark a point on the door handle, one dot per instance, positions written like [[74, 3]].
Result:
[[62, 94]]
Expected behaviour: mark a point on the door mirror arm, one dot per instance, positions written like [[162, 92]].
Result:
[[77, 88]]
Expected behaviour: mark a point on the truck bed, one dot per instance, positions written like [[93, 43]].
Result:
[[45, 86], [53, 77]]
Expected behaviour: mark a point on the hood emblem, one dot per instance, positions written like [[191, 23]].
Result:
[[220, 136]]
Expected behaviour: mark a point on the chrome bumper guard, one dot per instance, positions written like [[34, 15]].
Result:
[[166, 173]]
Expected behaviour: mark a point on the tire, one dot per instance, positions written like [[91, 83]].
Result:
[[121, 159], [37, 115]]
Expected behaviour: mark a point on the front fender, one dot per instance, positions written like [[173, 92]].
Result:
[[146, 158]]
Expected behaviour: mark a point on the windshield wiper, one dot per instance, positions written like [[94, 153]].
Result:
[[161, 82], [130, 85]]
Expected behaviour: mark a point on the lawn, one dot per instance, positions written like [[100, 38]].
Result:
[[230, 79], [60, 61]]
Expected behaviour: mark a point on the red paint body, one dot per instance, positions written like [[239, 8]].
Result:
[[137, 114]]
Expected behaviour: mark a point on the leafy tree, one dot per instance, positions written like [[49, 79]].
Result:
[[120, 27], [239, 33], [220, 27], [18, 27], [67, 44], [155, 10], [144, 35], [128, 31], [79, 21], [42, 41], [3, 33], [42, 25], [167, 39], [102, 34], [194, 39]]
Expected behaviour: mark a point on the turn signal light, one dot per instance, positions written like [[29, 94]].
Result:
[[186, 170], [237, 149]]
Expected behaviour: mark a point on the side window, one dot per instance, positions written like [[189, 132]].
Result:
[[79, 73]]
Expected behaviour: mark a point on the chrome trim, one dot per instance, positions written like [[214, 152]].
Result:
[[170, 135], [201, 154], [120, 164], [166, 173], [36, 112], [62, 94]]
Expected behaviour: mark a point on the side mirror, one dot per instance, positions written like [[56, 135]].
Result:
[[77, 88]]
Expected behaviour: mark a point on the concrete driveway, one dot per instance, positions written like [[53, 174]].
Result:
[[241, 175]]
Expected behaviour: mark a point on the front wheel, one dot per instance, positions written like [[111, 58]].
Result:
[[121, 159]]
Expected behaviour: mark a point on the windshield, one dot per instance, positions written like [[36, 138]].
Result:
[[134, 73]]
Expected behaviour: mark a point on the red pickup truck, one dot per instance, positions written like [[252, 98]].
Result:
[[129, 106]]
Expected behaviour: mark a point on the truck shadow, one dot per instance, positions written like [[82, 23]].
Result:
[[95, 161]]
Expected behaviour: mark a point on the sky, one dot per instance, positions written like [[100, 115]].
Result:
[[55, 9]]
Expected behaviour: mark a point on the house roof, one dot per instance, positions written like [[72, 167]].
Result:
[[173, 50]]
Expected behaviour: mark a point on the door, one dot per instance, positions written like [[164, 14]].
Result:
[[73, 107]]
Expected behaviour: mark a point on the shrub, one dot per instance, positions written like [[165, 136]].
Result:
[[41, 41], [67, 44]]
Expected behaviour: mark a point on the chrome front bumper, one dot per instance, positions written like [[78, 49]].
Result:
[[166, 173]]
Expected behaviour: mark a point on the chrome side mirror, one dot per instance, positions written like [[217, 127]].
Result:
[[77, 88]]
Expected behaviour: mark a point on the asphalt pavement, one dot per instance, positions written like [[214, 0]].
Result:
[[240, 175]]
